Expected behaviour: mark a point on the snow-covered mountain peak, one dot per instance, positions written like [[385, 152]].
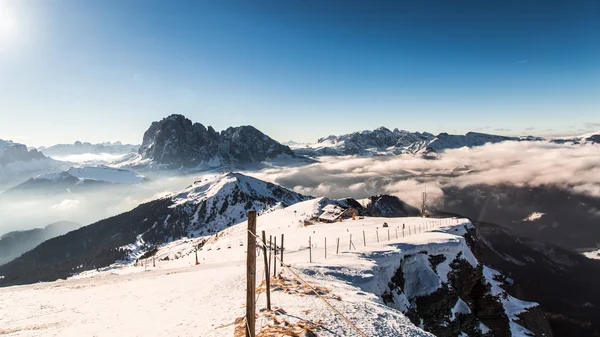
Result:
[[238, 188]]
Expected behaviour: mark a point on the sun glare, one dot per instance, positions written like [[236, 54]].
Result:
[[8, 24]]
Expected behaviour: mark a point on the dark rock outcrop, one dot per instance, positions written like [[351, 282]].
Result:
[[175, 142], [465, 303], [390, 206]]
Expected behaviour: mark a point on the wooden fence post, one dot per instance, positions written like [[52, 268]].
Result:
[[388, 234], [282, 250], [251, 276], [377, 233], [337, 250], [364, 239], [267, 273], [350, 244]]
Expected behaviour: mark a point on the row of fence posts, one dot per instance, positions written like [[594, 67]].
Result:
[[416, 229]]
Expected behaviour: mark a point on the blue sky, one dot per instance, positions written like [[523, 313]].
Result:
[[104, 70]]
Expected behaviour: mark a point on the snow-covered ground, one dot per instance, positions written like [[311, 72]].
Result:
[[169, 295]]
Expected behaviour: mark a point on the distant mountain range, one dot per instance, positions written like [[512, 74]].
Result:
[[78, 147], [13, 244], [17, 162], [382, 141], [77, 179]]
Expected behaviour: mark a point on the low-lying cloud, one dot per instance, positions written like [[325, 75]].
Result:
[[572, 167]]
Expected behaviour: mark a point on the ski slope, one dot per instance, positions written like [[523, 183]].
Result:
[[169, 295]]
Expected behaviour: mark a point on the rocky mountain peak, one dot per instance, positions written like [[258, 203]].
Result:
[[13, 152], [176, 142]]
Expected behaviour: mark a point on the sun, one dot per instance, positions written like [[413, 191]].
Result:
[[8, 23]]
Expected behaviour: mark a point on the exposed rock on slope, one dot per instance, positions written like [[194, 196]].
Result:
[[442, 287]]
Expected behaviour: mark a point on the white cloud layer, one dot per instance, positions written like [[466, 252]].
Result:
[[576, 168]]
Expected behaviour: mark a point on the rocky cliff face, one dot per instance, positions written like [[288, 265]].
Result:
[[175, 142], [445, 290], [13, 152]]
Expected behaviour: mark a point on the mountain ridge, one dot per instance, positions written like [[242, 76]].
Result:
[[176, 143]]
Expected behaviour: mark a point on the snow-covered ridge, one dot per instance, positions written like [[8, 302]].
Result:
[[100, 173]]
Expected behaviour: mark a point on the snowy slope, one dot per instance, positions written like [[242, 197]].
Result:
[[172, 296]]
